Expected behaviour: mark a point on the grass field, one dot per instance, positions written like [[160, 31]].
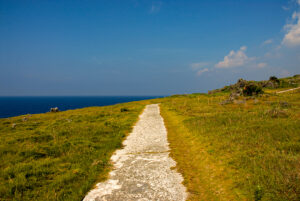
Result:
[[60, 156], [247, 150]]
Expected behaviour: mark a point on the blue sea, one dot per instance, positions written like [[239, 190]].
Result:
[[14, 106]]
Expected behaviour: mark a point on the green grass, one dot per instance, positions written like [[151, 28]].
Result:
[[60, 156], [237, 151], [244, 150]]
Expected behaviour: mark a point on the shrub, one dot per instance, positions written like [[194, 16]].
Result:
[[252, 89], [124, 110], [274, 79]]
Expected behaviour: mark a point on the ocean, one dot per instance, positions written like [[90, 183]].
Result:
[[14, 106]]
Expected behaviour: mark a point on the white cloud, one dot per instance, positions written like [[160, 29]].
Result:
[[292, 37], [285, 8], [200, 72], [262, 65], [290, 4], [198, 65], [243, 48], [156, 6], [234, 59], [268, 42]]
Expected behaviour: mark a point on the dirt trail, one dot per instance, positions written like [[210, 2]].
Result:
[[142, 170], [279, 92]]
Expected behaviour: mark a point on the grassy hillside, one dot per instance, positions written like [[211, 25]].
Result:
[[246, 149], [227, 146], [60, 156], [272, 83]]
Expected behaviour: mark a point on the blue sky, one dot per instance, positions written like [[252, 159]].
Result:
[[144, 47]]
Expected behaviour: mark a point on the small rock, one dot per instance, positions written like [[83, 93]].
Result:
[[239, 102], [249, 98], [226, 102], [255, 101], [234, 95], [277, 113], [24, 119], [284, 104], [241, 83], [270, 84], [13, 125]]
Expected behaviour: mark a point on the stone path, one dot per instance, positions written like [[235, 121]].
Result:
[[279, 92], [142, 170]]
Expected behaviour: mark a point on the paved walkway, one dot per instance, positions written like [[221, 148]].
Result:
[[143, 168]]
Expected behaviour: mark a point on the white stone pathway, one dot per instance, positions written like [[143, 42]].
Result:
[[279, 92], [142, 170]]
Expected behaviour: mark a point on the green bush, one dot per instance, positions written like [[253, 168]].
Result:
[[124, 109], [274, 79], [252, 89]]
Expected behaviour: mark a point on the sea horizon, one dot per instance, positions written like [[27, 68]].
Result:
[[11, 106], [84, 96]]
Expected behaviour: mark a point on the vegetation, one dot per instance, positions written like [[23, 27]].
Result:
[[235, 143], [272, 83], [60, 156], [274, 79], [244, 150], [252, 89]]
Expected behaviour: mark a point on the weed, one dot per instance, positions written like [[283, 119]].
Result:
[[258, 193]]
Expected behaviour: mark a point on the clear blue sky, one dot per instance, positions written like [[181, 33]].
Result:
[[144, 47]]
